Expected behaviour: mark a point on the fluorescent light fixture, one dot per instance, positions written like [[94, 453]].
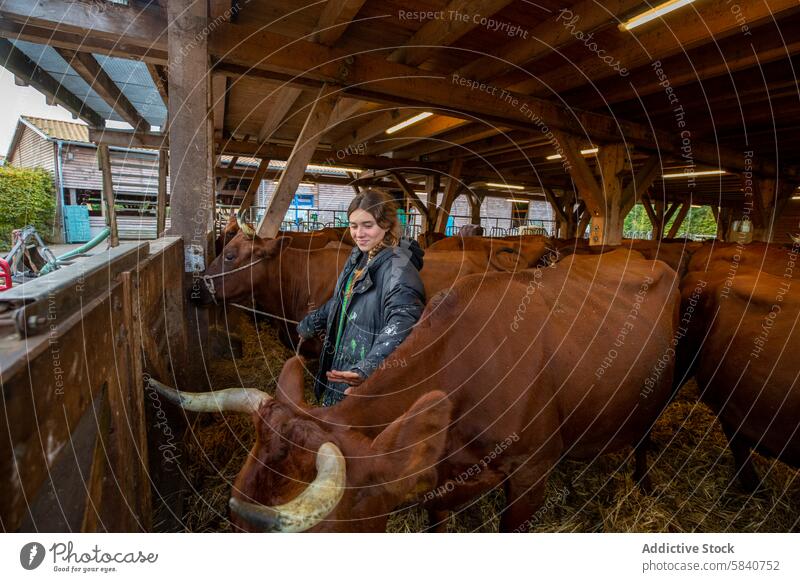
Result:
[[654, 13], [587, 152], [504, 186], [518, 200], [795, 197], [693, 174], [407, 122], [697, 205], [316, 168]]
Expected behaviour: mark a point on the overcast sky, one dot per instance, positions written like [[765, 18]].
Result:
[[18, 101]]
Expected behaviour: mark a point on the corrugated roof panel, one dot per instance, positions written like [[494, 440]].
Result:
[[51, 62], [133, 79]]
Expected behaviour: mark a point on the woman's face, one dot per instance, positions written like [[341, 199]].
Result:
[[365, 230]]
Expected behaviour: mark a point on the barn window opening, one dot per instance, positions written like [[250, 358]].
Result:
[[519, 213]]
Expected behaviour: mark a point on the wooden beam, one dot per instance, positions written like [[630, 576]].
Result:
[[219, 99], [161, 207], [255, 183], [640, 183], [689, 27], [22, 67], [95, 76], [655, 220], [128, 26], [374, 127], [422, 131], [588, 188], [104, 159], [159, 76], [334, 19], [556, 204], [298, 160], [276, 105], [679, 219], [431, 199], [190, 168], [123, 138], [670, 212], [607, 226], [441, 32], [451, 192], [452, 139], [551, 34], [409, 192], [700, 64]]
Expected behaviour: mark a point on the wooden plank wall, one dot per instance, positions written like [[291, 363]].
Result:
[[74, 440]]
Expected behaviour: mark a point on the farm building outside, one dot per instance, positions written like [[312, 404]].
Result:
[[636, 175]]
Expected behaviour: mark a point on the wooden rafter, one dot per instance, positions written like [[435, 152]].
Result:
[[428, 128], [686, 28], [90, 71], [255, 183], [277, 105], [22, 67], [301, 155], [334, 19], [445, 31], [451, 192]]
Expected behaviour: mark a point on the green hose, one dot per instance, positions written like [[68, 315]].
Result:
[[100, 237]]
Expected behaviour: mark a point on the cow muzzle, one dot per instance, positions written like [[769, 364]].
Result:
[[309, 508]]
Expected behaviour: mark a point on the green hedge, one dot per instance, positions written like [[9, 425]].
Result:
[[26, 197]]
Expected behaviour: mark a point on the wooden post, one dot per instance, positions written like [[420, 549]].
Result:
[[190, 161], [607, 226], [304, 148], [474, 207], [432, 195], [161, 208], [676, 226], [450, 194], [108, 193], [252, 189]]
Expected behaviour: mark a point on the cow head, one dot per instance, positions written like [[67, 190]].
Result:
[[314, 469], [234, 273]]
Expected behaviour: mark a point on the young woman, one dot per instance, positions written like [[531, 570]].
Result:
[[378, 298]]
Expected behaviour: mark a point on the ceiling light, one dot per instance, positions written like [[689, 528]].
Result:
[[586, 152], [407, 122], [654, 13], [693, 174], [518, 200], [504, 186], [315, 168], [795, 197]]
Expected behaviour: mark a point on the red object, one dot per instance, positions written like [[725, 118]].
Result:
[[5, 276]]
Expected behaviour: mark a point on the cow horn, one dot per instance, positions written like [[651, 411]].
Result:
[[245, 400], [246, 229], [307, 509]]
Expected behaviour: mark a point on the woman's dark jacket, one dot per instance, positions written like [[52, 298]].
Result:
[[387, 301]]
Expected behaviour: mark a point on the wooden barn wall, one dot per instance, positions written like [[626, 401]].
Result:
[[74, 445], [33, 151]]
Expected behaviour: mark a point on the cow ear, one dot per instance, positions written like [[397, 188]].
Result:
[[272, 248], [291, 382], [413, 444]]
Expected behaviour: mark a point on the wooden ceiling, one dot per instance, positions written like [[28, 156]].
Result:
[[731, 67]]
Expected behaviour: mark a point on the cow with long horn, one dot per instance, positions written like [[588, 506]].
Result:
[[504, 375]]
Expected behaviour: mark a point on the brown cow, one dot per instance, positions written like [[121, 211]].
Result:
[[525, 252], [741, 320], [504, 376], [288, 282]]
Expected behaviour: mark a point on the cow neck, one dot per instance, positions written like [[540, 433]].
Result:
[[401, 385], [292, 295]]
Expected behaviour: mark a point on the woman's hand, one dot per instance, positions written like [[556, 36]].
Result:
[[349, 378]]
